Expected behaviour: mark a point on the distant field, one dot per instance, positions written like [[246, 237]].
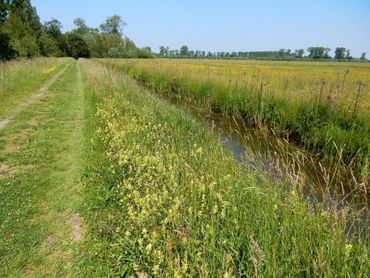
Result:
[[323, 106], [296, 80]]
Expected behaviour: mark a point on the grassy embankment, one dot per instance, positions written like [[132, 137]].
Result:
[[321, 106], [164, 198], [20, 79]]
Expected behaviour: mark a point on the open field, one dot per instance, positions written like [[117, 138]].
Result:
[[100, 177], [323, 106]]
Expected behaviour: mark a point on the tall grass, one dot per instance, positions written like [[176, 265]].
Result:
[[20, 78], [328, 115], [167, 200]]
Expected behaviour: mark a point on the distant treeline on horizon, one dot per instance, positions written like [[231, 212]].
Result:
[[313, 53]]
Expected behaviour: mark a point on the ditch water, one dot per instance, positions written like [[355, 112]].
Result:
[[331, 187]]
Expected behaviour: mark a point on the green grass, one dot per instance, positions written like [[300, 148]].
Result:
[[165, 199], [41, 188], [20, 79]]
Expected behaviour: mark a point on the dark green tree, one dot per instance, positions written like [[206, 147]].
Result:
[[163, 51], [145, 52], [363, 56], [49, 46], [317, 52], [113, 25], [281, 53], [22, 37], [340, 53], [348, 54], [77, 47], [23, 26], [7, 52], [28, 14], [53, 28], [299, 53], [184, 50], [81, 26]]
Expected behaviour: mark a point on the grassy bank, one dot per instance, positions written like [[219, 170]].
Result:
[[165, 199], [319, 106], [20, 79]]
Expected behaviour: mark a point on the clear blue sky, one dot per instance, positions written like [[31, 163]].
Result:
[[222, 25]]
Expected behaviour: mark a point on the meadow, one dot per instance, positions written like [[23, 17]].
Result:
[[101, 177], [322, 106]]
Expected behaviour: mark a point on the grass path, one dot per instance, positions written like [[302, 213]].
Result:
[[40, 92], [41, 228]]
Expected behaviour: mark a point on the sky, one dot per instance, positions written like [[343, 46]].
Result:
[[220, 25]]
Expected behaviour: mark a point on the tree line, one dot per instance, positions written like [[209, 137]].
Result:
[[313, 53], [23, 35]]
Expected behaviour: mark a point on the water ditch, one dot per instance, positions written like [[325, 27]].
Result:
[[330, 186]]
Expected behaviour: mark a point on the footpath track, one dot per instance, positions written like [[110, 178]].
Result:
[[37, 95], [41, 150]]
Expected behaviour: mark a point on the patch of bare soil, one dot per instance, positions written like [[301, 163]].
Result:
[[6, 170], [75, 222], [3, 167], [34, 122], [50, 241]]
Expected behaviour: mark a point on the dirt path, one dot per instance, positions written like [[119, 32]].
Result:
[[39, 93], [41, 159]]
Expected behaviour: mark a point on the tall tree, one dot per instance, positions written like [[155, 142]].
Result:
[[184, 50], [28, 14], [77, 47], [363, 56], [49, 46], [81, 26], [317, 52], [7, 52], [163, 51], [348, 54], [299, 53], [24, 28], [113, 25], [22, 37], [340, 53], [281, 53], [53, 28]]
